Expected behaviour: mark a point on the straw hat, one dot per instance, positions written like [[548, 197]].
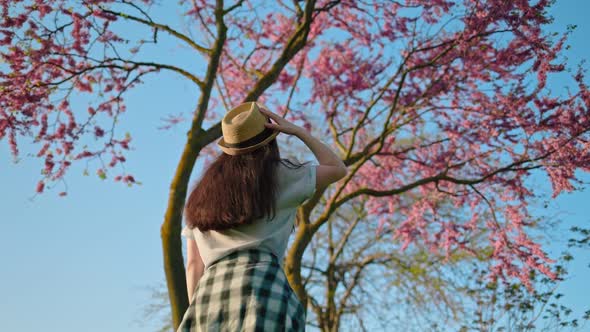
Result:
[[243, 129]]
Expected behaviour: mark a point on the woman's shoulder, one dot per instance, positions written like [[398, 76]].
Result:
[[289, 169]]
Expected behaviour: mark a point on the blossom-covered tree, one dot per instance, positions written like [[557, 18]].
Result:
[[431, 104]]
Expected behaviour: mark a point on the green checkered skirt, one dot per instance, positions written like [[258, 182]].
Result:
[[244, 291]]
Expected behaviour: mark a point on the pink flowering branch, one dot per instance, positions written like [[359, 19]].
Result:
[[431, 64]]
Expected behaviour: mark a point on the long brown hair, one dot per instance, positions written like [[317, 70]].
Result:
[[236, 190]]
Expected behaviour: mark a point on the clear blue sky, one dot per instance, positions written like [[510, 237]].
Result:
[[85, 262]]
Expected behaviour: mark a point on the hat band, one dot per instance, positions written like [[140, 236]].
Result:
[[253, 140]]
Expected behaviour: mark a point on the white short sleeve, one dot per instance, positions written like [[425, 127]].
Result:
[[187, 232], [296, 185], [306, 185]]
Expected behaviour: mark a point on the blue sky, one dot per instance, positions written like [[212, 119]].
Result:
[[87, 261]]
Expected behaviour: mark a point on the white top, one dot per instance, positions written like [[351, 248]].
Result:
[[294, 187]]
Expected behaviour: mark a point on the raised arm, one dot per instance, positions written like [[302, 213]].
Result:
[[331, 168]]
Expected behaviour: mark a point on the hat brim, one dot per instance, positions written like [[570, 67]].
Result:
[[236, 151]]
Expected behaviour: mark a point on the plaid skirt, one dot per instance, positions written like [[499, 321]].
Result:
[[244, 291]]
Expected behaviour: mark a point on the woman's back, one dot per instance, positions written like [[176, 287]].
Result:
[[295, 185]]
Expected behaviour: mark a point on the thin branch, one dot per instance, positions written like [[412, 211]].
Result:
[[134, 65], [163, 27], [238, 4], [344, 239]]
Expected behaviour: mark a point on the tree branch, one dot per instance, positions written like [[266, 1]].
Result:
[[163, 27]]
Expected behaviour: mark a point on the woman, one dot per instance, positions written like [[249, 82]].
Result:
[[239, 217]]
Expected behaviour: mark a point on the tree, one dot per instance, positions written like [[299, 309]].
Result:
[[430, 104], [353, 278]]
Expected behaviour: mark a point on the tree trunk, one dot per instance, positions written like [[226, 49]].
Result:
[[197, 139]]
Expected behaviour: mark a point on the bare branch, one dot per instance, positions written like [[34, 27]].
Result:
[[238, 4], [163, 27]]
